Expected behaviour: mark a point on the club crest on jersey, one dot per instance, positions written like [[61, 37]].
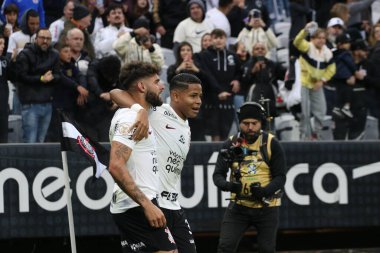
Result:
[[86, 146], [252, 169], [170, 237]]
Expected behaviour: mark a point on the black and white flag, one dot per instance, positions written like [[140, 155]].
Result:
[[74, 139]]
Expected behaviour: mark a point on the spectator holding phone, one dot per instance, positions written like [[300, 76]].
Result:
[[260, 77], [257, 31]]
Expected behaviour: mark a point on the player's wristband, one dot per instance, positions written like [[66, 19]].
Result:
[[136, 107]]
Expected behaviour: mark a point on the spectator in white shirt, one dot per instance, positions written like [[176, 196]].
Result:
[[107, 35], [218, 16], [194, 27], [57, 26]]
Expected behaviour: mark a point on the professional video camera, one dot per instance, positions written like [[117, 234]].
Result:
[[233, 154]]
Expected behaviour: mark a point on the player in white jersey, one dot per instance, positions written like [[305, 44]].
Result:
[[172, 131], [133, 165]]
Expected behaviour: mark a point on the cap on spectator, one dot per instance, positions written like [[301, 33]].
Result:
[[255, 13], [199, 2], [80, 11], [335, 21], [359, 45], [141, 22], [343, 38]]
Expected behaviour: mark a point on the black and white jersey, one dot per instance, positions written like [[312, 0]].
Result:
[[142, 164], [173, 143]]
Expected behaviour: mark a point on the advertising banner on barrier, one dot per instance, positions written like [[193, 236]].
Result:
[[329, 185]]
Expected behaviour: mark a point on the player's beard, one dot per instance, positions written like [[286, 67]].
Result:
[[153, 99]]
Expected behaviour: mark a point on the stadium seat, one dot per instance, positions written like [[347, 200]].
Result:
[[371, 131], [282, 28], [169, 57], [287, 127], [14, 129], [327, 128]]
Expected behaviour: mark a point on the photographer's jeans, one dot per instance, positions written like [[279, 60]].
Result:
[[237, 219], [35, 121]]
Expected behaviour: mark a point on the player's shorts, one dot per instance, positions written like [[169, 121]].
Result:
[[180, 229], [138, 236]]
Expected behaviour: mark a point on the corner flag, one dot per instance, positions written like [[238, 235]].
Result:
[[74, 139]]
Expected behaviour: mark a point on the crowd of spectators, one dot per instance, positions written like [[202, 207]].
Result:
[[66, 55]]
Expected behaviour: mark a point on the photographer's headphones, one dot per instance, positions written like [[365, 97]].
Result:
[[245, 109]]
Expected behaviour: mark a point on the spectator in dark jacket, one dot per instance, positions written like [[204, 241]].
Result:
[[38, 67], [344, 78], [96, 114], [223, 73], [260, 76], [166, 16], [68, 93], [4, 93]]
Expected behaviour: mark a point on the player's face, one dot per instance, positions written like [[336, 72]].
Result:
[[189, 101], [154, 89]]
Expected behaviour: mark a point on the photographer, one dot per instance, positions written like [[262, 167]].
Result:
[[139, 45], [257, 164]]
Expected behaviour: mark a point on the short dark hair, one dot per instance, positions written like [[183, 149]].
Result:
[[183, 80], [32, 13], [11, 8], [42, 29], [218, 33], [134, 71], [62, 46], [224, 3], [109, 66], [112, 6]]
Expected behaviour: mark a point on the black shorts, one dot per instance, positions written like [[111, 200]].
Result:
[[138, 236], [181, 231]]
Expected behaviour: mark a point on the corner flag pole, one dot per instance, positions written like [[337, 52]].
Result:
[[69, 205]]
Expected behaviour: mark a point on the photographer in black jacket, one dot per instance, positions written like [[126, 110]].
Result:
[[257, 164]]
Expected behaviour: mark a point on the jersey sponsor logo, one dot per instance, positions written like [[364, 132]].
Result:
[[170, 237], [133, 246], [170, 196], [169, 127], [182, 139], [169, 114]]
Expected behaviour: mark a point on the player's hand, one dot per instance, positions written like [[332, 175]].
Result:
[[141, 124], [155, 216]]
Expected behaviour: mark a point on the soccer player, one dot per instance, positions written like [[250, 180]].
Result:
[[169, 123], [133, 165]]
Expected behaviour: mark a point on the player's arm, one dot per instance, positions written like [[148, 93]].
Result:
[[120, 154], [123, 99]]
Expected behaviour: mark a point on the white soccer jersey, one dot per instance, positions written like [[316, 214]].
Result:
[[142, 164], [173, 143]]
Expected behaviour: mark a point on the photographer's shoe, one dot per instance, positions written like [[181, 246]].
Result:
[[347, 112]]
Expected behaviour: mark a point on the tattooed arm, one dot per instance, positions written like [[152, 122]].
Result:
[[120, 154]]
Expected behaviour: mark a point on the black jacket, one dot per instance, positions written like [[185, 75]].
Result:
[[222, 67], [264, 80], [31, 64]]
